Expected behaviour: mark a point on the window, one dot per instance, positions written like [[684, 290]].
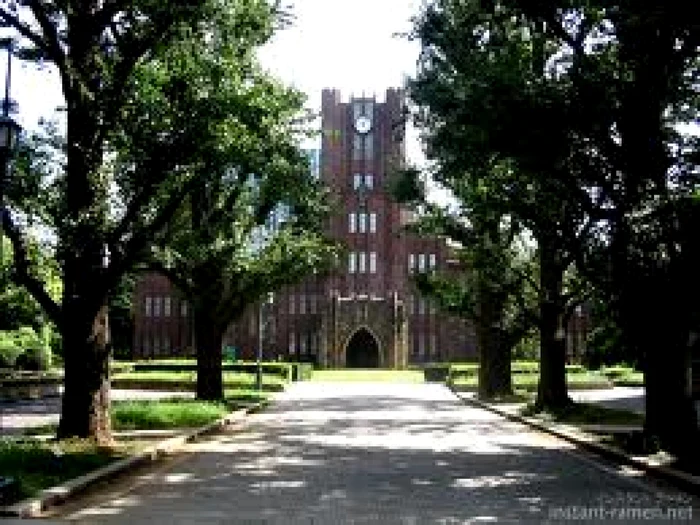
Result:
[[373, 223], [149, 306], [302, 344], [362, 222], [421, 306], [352, 223], [433, 261], [351, 262], [410, 305], [361, 260], [166, 344], [369, 146], [312, 303], [357, 181], [166, 306], [156, 344], [302, 304], [357, 149], [292, 304], [146, 345], [411, 262], [292, 343], [373, 262], [433, 345], [369, 181], [156, 307], [421, 345], [421, 262], [183, 308]]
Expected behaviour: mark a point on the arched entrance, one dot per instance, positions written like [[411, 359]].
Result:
[[362, 350]]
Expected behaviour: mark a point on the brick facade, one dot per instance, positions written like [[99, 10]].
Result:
[[316, 320]]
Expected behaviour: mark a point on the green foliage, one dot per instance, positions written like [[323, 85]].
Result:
[[25, 349], [40, 465], [177, 413]]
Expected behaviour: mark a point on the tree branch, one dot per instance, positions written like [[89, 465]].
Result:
[[24, 30], [51, 37], [22, 274]]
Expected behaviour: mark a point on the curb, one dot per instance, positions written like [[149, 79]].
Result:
[[33, 507], [687, 482]]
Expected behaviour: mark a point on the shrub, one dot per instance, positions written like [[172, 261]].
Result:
[[9, 352]]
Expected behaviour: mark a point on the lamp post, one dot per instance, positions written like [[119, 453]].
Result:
[[261, 326], [9, 133]]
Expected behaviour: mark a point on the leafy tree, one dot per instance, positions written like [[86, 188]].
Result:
[[100, 50], [632, 70], [222, 250], [490, 288], [483, 76]]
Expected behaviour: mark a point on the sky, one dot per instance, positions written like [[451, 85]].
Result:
[[349, 45]]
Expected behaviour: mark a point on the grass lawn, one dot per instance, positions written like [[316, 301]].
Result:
[[240, 380], [587, 413], [40, 465], [575, 380], [373, 375]]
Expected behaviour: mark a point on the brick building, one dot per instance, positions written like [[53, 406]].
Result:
[[367, 314]]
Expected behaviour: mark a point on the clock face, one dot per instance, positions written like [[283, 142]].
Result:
[[363, 124]]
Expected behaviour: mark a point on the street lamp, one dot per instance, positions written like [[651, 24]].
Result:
[[9, 133], [261, 326]]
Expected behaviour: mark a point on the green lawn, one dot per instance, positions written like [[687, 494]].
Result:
[[580, 380], [40, 465], [373, 375], [587, 413], [237, 380]]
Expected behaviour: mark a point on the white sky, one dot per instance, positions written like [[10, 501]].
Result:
[[349, 45]]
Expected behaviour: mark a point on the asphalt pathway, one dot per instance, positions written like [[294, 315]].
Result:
[[382, 453]]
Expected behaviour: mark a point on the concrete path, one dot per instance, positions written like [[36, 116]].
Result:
[[379, 453]]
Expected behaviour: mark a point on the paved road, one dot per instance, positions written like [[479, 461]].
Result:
[[383, 453]]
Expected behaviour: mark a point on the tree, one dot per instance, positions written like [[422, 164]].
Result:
[[490, 287], [223, 251], [484, 72], [633, 74], [99, 49]]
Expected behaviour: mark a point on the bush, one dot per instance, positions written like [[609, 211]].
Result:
[[436, 372], [36, 358], [9, 352]]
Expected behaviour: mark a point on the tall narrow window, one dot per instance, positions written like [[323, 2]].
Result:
[[421, 306], [292, 304], [369, 181], [292, 343], [183, 308], [149, 306], [369, 146], [432, 263], [156, 344], [373, 223], [156, 306], [433, 345], [421, 345], [357, 150], [352, 222], [166, 306], [302, 344], [357, 181], [302, 304], [362, 222], [361, 262], [372, 262], [351, 262], [421, 262], [411, 262], [312, 303]]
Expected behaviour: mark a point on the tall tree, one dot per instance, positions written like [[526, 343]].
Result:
[[99, 50], [490, 286], [483, 76], [633, 71]]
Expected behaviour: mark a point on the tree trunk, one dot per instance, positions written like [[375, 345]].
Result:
[[552, 391], [85, 407], [494, 352], [670, 409], [208, 338]]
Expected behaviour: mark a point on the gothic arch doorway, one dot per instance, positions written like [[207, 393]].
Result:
[[362, 350]]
